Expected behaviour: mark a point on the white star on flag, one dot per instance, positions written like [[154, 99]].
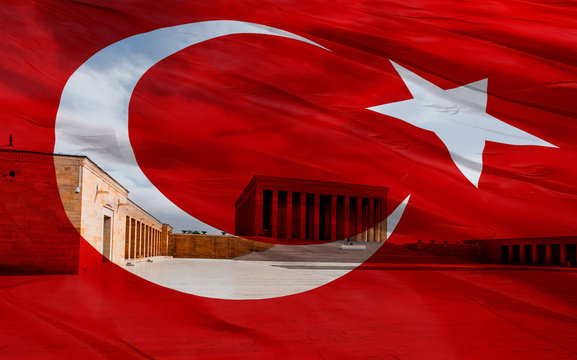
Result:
[[458, 116]]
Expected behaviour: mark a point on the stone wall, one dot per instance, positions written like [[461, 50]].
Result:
[[68, 175], [213, 246], [101, 195], [558, 250], [167, 234], [155, 244], [474, 253], [55, 200], [62, 199], [554, 250], [36, 236]]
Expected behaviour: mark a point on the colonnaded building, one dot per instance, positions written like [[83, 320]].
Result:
[[558, 250], [285, 208], [96, 204], [548, 251], [125, 230]]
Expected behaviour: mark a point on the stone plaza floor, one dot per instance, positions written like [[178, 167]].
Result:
[[238, 279], [279, 271]]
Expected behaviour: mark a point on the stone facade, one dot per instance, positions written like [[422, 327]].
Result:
[[101, 211], [213, 246], [548, 251], [284, 208], [97, 206], [469, 252], [560, 251]]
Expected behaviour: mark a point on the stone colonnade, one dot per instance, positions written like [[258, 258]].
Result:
[[144, 240], [540, 254], [311, 210]]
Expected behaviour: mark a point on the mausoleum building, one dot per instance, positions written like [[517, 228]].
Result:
[[286, 208]]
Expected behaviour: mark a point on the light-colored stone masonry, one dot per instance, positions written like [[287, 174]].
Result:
[[32, 185], [88, 193]]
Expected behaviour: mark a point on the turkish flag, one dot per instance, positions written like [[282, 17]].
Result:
[[494, 159]]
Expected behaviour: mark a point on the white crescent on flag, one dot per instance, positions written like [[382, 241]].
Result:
[[88, 123], [92, 117]]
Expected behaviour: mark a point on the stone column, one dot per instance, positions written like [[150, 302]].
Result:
[[127, 238], [137, 239], [333, 217], [359, 230], [521, 254], [347, 218], [140, 239], [371, 221], [149, 240], [274, 215], [152, 242], [132, 239], [128, 235], [139, 234], [563, 255], [258, 211], [383, 221], [376, 220], [303, 216], [317, 216], [146, 241], [156, 243], [534, 253], [143, 240], [134, 251], [289, 215], [548, 254], [510, 260], [166, 245]]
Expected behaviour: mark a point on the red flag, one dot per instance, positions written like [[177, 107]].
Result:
[[494, 160]]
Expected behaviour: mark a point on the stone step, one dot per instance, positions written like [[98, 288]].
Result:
[[332, 252]]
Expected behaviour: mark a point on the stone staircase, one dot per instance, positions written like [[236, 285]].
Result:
[[330, 252], [399, 254]]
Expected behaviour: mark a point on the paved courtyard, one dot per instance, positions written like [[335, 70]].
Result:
[[238, 279], [280, 271]]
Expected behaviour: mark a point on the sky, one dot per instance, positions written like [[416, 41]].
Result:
[[93, 114]]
